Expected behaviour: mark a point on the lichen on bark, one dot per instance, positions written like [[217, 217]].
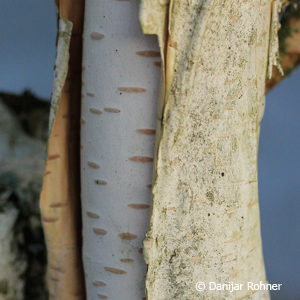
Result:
[[205, 221]]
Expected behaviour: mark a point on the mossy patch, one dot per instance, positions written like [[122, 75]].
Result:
[[4, 287]]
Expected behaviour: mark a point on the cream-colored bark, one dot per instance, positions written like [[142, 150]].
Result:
[[205, 222]]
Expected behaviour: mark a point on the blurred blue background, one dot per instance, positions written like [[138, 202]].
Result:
[[279, 186], [27, 45], [27, 53]]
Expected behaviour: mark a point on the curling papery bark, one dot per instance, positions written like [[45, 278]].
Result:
[[121, 81], [60, 196], [205, 222]]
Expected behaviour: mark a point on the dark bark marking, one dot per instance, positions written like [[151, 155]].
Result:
[[99, 283], [148, 53], [132, 89], [146, 131], [93, 165], [53, 156], [100, 182], [114, 270], [142, 159], [96, 36], [59, 204], [127, 236], [139, 206], [127, 260], [95, 111], [112, 110], [100, 231], [49, 220], [92, 215]]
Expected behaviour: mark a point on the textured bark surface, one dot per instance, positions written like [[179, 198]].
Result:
[[121, 80], [205, 221], [60, 197]]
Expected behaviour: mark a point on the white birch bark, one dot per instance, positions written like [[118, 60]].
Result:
[[121, 80], [205, 224]]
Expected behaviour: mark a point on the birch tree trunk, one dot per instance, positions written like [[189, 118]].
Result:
[[121, 80], [205, 217], [205, 224]]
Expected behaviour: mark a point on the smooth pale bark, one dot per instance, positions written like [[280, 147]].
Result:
[[121, 80], [205, 222], [60, 196]]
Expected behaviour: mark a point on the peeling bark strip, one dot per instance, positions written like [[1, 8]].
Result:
[[209, 45], [59, 200], [121, 74]]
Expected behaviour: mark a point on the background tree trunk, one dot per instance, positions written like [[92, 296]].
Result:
[[23, 127], [121, 80]]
